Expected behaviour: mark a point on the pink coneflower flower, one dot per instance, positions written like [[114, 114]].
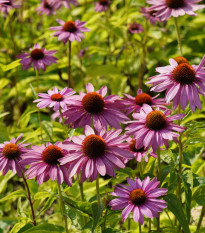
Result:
[[37, 57], [167, 8], [10, 155], [44, 163], [182, 81], [7, 5], [102, 5], [55, 98], [150, 15], [67, 3], [135, 28], [46, 7], [139, 153], [95, 107], [70, 30], [135, 104], [154, 128], [140, 198], [95, 153]]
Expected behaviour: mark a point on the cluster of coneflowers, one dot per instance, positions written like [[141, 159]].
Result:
[[105, 147]]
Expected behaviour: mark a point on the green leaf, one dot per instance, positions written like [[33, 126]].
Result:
[[45, 228], [110, 230], [4, 82], [48, 204], [197, 166], [3, 134], [174, 205], [165, 171], [4, 180], [4, 114], [97, 211], [202, 230], [42, 195], [199, 195], [11, 66], [27, 113], [48, 128], [15, 194]]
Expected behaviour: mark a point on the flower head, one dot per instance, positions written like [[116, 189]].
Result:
[[7, 5], [55, 98], [102, 5], [139, 153], [70, 30], [140, 197], [47, 7], [135, 28], [183, 83], [11, 154], [44, 163], [37, 57], [154, 128], [150, 15], [95, 152], [135, 104], [167, 8], [94, 106]]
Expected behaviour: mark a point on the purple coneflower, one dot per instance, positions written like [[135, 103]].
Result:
[[7, 5], [135, 28], [70, 30], [140, 198], [37, 57], [135, 104], [183, 83], [44, 163], [167, 8], [55, 98], [150, 15], [95, 107], [139, 153], [11, 154], [154, 128], [102, 5], [47, 7], [95, 153]]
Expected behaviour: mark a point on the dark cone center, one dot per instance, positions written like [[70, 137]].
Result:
[[156, 120]]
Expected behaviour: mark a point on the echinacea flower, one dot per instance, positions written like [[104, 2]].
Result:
[[140, 198], [67, 3], [139, 153], [183, 83], [167, 8], [46, 7], [38, 57], [70, 30], [150, 15], [135, 104], [154, 128], [55, 98], [44, 163], [7, 5], [95, 107], [135, 28], [11, 154], [95, 152], [102, 5]]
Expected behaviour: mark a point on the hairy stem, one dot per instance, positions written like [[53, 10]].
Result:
[[201, 217], [69, 64], [159, 179], [178, 35], [29, 198], [98, 190], [62, 208]]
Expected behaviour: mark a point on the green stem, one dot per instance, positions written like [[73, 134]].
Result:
[[140, 228], [37, 80], [98, 190], [150, 226], [178, 35], [129, 224], [180, 157], [62, 208], [159, 179], [201, 217], [69, 64], [105, 218], [81, 191], [159, 164], [29, 198]]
